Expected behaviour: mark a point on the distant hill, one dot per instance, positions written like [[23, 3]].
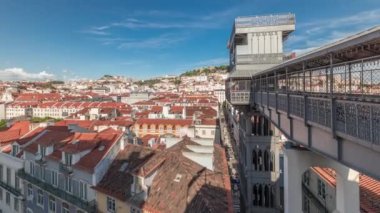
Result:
[[206, 71]]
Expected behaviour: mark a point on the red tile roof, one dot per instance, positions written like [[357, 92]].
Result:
[[15, 132]]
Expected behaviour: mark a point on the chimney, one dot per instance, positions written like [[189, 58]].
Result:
[[184, 112]]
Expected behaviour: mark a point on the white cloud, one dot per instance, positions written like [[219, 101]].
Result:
[[318, 33], [14, 74]]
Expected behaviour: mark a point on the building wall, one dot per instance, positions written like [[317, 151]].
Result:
[[14, 164], [14, 112], [2, 111], [314, 200], [101, 201]]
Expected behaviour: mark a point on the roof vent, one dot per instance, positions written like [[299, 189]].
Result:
[[101, 147], [178, 178]]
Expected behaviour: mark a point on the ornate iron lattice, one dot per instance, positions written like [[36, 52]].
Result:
[[376, 124], [364, 122], [340, 117], [351, 125]]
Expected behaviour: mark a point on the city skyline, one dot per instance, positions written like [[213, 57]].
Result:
[[68, 40]]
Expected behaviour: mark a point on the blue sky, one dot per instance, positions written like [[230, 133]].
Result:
[[75, 39]]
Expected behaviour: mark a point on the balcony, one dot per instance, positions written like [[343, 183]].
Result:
[[11, 189], [240, 97], [88, 206], [65, 169]]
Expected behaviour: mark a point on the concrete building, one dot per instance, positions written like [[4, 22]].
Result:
[[256, 43], [220, 94], [2, 111], [10, 184]]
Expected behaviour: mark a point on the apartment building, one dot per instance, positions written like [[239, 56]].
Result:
[[319, 191], [62, 165], [187, 177], [11, 199], [19, 109]]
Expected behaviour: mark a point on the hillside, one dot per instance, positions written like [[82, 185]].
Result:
[[206, 71]]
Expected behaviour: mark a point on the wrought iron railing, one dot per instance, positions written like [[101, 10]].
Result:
[[11, 189], [268, 20], [354, 78], [348, 118], [89, 206]]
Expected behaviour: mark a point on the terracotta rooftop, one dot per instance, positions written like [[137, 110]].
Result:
[[369, 189]]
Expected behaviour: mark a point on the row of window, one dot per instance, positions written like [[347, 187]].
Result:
[[8, 177], [52, 203], [263, 195], [76, 187], [263, 160], [16, 205], [320, 184], [111, 206]]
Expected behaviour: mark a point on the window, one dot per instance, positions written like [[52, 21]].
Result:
[[306, 178], [65, 208], [321, 189], [1, 193], [31, 168], [68, 159], [30, 189], [241, 39], [68, 184], [15, 204], [14, 150], [7, 198], [54, 179], [82, 190], [51, 204], [111, 207], [203, 132], [1, 172], [17, 183], [8, 176], [212, 132], [40, 198], [134, 210]]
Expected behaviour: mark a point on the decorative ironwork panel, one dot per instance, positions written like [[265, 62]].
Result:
[[297, 106], [351, 125], [282, 101], [376, 124], [319, 111], [340, 117], [364, 122]]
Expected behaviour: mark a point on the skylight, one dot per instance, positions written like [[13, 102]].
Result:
[[123, 167], [178, 178]]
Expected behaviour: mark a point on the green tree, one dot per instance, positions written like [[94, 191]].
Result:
[[3, 124]]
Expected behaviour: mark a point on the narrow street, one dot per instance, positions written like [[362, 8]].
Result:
[[231, 153]]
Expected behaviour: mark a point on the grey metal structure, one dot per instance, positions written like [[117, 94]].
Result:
[[328, 100]]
